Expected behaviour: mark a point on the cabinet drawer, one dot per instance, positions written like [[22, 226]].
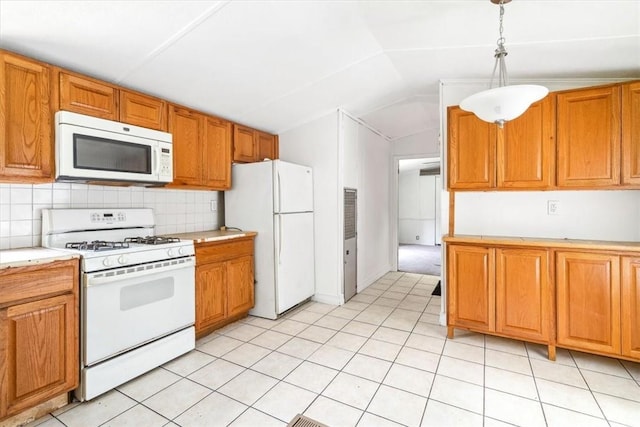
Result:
[[23, 283], [222, 251]]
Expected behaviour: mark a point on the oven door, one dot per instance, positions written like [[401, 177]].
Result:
[[129, 306]]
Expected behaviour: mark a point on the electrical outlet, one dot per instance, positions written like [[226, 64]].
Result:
[[553, 207], [417, 237], [214, 206]]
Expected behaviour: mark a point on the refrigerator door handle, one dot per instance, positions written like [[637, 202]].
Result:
[[279, 239], [279, 194]]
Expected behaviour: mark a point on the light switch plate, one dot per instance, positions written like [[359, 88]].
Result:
[[214, 206]]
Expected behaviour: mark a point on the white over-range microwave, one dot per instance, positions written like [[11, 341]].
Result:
[[93, 149]]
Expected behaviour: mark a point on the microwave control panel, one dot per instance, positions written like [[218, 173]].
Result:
[[166, 161]]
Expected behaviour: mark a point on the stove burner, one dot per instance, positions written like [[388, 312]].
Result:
[[96, 245], [152, 240]]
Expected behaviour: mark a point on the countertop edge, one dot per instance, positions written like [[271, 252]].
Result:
[[48, 256], [213, 235], [544, 242]]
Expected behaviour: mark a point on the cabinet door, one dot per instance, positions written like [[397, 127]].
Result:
[[631, 133], [471, 287], [142, 110], [525, 148], [187, 128], [39, 357], [87, 96], [472, 151], [25, 121], [217, 154], [588, 129], [211, 294], [523, 296], [588, 301], [244, 145], [239, 285], [267, 146], [630, 297]]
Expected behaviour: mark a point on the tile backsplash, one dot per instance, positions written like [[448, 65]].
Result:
[[176, 211]]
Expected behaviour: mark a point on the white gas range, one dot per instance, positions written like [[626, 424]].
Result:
[[137, 292]]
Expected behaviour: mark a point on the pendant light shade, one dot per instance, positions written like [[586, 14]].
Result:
[[503, 103]]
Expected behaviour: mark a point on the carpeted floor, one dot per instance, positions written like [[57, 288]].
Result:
[[420, 259]]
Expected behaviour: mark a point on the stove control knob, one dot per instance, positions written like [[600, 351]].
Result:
[[181, 251], [107, 262], [170, 252], [122, 259]]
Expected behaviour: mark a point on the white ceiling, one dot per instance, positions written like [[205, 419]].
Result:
[[276, 64]]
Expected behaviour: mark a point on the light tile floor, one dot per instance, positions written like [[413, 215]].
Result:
[[379, 360]]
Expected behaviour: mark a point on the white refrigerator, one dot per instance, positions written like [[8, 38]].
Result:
[[275, 199]]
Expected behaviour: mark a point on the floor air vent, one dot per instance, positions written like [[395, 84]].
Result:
[[302, 421]]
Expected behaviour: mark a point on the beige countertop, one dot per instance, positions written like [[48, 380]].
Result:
[[544, 242], [31, 256], [212, 235]]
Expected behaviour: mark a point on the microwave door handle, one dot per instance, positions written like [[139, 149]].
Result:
[[156, 161]]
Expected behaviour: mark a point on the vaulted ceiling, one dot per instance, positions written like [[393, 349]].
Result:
[[276, 64]]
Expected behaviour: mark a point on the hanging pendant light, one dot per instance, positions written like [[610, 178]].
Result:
[[503, 103]]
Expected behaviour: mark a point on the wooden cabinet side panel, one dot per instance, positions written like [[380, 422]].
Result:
[[522, 293], [87, 96], [630, 297], [244, 144], [471, 287], [471, 154], [187, 130], [211, 294], [41, 351], [142, 110], [588, 131], [217, 154], [588, 301], [240, 283], [525, 148], [26, 143], [631, 133]]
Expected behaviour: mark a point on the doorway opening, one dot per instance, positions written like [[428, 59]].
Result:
[[419, 234]]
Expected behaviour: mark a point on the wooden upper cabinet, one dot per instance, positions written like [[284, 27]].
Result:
[[217, 154], [26, 139], [588, 301], [142, 110], [588, 132], [630, 297], [525, 148], [187, 128], [471, 287], [471, 154], [267, 146], [631, 133], [87, 96], [523, 294], [244, 144]]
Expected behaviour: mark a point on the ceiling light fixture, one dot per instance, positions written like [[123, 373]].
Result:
[[503, 103]]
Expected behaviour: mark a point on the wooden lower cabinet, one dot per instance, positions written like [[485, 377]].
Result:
[[38, 336], [588, 299], [500, 291], [630, 307], [524, 297], [224, 282], [471, 289]]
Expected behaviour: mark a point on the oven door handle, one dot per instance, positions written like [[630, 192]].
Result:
[[101, 278]]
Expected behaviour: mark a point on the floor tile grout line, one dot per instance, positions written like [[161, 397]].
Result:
[[535, 383], [589, 388]]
